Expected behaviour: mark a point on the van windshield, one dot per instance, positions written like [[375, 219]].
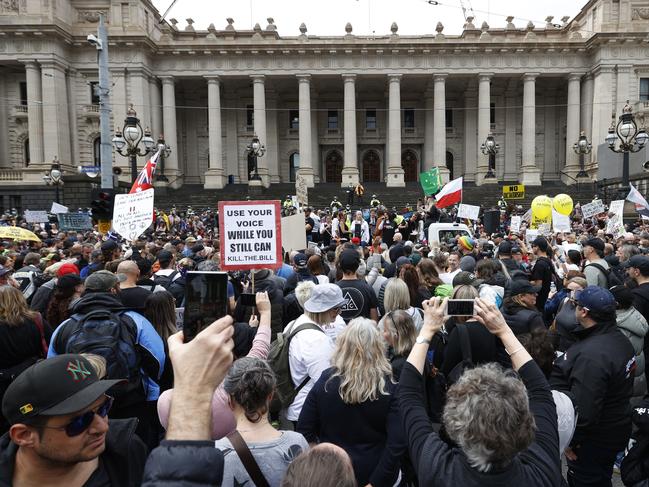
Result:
[[446, 235]]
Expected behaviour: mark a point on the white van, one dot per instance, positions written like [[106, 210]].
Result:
[[442, 232]]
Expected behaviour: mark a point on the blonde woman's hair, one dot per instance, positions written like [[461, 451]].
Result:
[[396, 296], [401, 327], [13, 307], [359, 361], [98, 363]]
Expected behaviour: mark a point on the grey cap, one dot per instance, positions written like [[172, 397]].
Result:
[[323, 298], [103, 281]]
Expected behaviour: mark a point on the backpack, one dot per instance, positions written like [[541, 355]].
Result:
[[165, 281], [29, 281], [612, 278], [278, 360], [467, 359], [112, 336]]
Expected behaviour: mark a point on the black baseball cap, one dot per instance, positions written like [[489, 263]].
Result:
[[300, 260], [523, 286], [60, 385], [596, 243], [505, 248], [640, 262], [109, 246], [349, 260]]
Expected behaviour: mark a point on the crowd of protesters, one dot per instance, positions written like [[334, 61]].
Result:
[[347, 371]]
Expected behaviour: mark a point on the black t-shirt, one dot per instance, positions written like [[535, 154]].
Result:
[[133, 298], [359, 299], [99, 477], [387, 234], [542, 271], [309, 221]]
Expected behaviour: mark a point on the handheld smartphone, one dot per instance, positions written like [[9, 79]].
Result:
[[248, 299], [460, 307], [206, 300]]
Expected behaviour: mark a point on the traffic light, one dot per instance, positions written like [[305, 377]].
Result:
[[102, 204]]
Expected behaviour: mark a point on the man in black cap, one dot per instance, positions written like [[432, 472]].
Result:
[[60, 433], [543, 270], [360, 299], [596, 268], [505, 257], [637, 268]]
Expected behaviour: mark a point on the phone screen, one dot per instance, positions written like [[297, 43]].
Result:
[[460, 307], [206, 299], [248, 299]]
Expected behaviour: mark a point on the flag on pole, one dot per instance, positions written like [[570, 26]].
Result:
[[641, 205], [430, 181], [144, 180], [450, 194]]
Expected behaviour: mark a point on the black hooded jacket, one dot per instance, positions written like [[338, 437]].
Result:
[[521, 319], [184, 464]]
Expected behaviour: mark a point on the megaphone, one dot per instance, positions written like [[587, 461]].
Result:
[[117, 171]]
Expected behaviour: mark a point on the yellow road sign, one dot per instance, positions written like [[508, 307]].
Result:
[[514, 192]]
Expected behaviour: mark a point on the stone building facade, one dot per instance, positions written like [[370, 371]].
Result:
[[333, 109]]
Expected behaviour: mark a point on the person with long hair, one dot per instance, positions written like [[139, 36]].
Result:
[[428, 273], [354, 405], [160, 310], [396, 296], [67, 290], [399, 333], [418, 292]]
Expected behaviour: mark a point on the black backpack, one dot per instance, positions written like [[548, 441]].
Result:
[[113, 336], [612, 278], [165, 281]]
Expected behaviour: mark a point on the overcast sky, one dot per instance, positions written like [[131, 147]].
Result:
[[328, 17]]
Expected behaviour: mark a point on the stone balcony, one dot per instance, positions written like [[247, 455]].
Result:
[[20, 113], [91, 112]]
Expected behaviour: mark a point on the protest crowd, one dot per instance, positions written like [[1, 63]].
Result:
[[349, 368]]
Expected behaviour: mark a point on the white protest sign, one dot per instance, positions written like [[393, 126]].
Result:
[[180, 318], [57, 208], [133, 214], [301, 191], [515, 224], [527, 216], [545, 229], [468, 211], [589, 210], [530, 235], [560, 223], [293, 232], [250, 234], [617, 208], [613, 225], [32, 216]]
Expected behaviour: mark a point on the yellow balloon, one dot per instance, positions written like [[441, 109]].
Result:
[[542, 207], [562, 203]]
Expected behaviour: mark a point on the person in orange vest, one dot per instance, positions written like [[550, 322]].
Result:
[[359, 190]]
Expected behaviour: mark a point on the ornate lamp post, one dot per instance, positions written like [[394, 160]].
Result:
[[54, 177], [126, 143], [255, 149], [490, 147], [629, 138], [582, 147], [165, 151]]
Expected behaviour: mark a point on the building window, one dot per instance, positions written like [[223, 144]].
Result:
[[94, 92], [26, 158], [449, 118], [492, 113], [293, 166], [96, 151], [294, 119], [332, 119], [370, 119], [250, 116], [644, 89], [409, 118], [23, 93]]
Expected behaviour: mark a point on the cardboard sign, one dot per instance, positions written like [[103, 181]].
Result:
[[530, 235], [133, 214], [301, 191], [616, 225], [468, 211], [293, 232], [74, 221], [589, 210], [514, 192], [250, 234], [57, 208], [515, 224], [560, 223], [32, 216]]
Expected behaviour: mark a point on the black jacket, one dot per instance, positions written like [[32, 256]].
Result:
[[596, 372], [635, 466], [521, 319], [184, 464], [123, 458]]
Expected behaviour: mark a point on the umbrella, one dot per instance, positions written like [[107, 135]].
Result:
[[17, 233]]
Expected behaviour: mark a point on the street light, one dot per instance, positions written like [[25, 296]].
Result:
[[630, 138], [127, 142], [490, 148], [582, 147], [255, 149], [54, 177], [165, 151]]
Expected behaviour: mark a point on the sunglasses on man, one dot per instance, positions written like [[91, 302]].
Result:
[[81, 423]]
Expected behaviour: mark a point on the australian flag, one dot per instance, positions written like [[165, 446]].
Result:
[[144, 180]]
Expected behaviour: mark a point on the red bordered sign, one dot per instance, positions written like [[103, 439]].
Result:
[[250, 234]]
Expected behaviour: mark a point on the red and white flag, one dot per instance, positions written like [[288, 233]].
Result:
[[144, 180], [450, 194], [641, 205]]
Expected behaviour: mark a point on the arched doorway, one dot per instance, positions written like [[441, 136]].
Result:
[[371, 167], [293, 166], [410, 165], [334, 167], [449, 164]]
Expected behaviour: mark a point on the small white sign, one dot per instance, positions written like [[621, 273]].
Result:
[[468, 211], [530, 235], [515, 225], [589, 210], [133, 214], [32, 216], [560, 223], [57, 208]]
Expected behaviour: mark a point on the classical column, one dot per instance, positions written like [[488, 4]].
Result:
[[484, 125], [305, 147], [531, 174], [34, 112], [602, 106], [429, 129], [572, 127], [170, 132], [350, 168], [138, 80], [550, 166], [259, 109], [622, 92], [470, 139], [56, 119], [315, 143], [214, 177], [439, 132], [236, 161], [5, 160], [73, 134], [394, 175], [155, 99], [587, 106], [509, 152], [272, 139]]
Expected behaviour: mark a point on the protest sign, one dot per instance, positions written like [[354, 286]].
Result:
[[57, 208], [180, 318], [617, 208], [514, 192], [515, 224], [560, 223], [468, 211], [74, 221], [589, 210], [301, 191], [32, 216], [293, 232], [250, 234], [530, 235], [545, 229], [133, 214]]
